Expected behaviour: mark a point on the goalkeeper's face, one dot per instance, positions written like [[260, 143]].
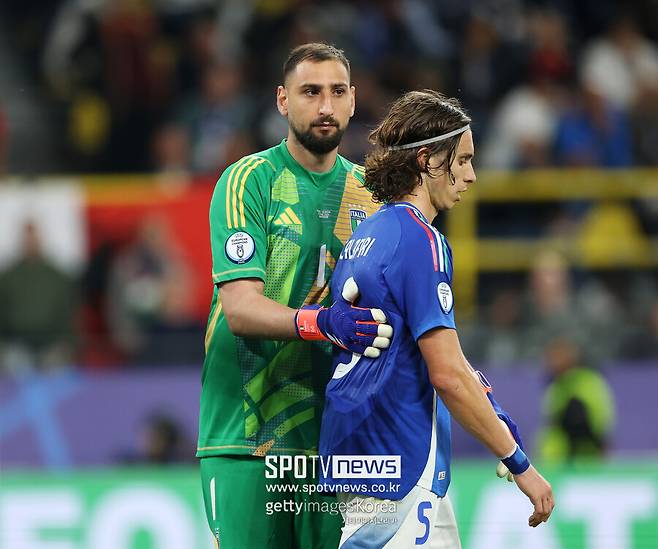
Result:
[[318, 100]]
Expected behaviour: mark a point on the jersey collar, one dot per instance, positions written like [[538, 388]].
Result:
[[320, 179], [407, 205]]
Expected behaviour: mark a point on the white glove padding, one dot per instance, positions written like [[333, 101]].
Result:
[[384, 332], [503, 472]]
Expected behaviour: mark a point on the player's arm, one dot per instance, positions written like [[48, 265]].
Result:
[[250, 314], [238, 231], [461, 391]]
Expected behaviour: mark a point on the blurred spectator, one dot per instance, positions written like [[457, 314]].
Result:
[[120, 69], [97, 349], [4, 141], [139, 70], [150, 311], [593, 132], [588, 313], [389, 33], [620, 65], [644, 127], [214, 117], [161, 442], [489, 65], [371, 102], [496, 341], [110, 57], [642, 342], [578, 406], [38, 304], [89, 128], [200, 46], [522, 131], [171, 150], [550, 308]]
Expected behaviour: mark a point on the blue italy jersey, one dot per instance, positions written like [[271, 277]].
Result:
[[387, 406]]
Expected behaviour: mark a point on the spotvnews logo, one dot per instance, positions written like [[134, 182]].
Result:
[[337, 467]]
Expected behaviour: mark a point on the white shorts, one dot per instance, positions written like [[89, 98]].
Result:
[[420, 519]]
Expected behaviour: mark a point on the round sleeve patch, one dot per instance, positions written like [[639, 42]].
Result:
[[240, 247], [445, 296]]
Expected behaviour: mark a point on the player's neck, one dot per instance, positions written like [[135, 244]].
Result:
[[312, 162], [420, 198]]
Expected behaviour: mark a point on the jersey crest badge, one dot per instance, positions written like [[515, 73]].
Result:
[[356, 217]]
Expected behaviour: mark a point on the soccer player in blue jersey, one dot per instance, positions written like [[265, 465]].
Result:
[[400, 403]]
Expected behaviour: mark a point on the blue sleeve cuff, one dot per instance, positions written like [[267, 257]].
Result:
[[517, 463]]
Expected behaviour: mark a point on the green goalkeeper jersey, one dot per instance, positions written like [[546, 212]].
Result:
[[272, 219]]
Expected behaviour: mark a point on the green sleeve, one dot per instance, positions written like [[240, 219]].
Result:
[[238, 220]]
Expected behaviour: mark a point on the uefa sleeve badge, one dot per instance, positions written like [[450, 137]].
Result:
[[240, 247], [445, 296]]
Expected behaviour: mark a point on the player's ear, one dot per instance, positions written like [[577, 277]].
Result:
[[423, 157], [353, 94], [282, 100]]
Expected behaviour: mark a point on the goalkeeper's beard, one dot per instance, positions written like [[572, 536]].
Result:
[[318, 144]]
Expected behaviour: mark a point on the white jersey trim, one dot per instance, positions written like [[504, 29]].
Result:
[[427, 477], [437, 235]]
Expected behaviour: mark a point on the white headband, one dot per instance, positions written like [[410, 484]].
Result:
[[430, 140]]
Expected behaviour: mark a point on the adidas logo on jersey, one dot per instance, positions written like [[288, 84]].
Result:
[[287, 217]]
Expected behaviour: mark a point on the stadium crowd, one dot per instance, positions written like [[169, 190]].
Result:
[[187, 86]]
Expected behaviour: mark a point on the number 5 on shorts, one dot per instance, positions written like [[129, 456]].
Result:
[[425, 521]]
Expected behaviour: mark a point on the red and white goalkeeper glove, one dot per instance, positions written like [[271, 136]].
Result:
[[357, 329]]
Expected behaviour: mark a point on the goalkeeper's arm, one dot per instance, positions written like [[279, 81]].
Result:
[[249, 313]]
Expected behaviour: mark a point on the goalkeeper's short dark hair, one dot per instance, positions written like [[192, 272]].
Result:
[[314, 51]]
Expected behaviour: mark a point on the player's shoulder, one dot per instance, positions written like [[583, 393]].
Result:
[[256, 165], [356, 171], [416, 228], [419, 244], [383, 225]]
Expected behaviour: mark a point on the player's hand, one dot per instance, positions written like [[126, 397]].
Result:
[[540, 493], [360, 330]]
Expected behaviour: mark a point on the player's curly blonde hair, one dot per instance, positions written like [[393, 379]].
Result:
[[417, 115]]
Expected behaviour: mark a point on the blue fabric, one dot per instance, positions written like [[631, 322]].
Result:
[[502, 414], [579, 141], [517, 463], [344, 325], [385, 406]]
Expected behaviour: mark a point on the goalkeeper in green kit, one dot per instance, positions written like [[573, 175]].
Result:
[[278, 221]]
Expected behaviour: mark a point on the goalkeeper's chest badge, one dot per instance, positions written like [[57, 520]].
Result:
[[240, 247], [445, 296], [356, 216]]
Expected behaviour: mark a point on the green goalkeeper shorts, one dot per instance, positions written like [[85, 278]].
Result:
[[247, 510]]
